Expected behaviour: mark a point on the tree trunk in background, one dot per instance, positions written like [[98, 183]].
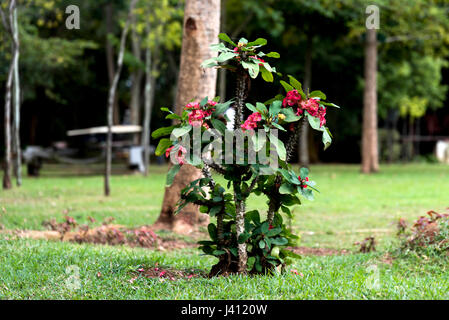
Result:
[[16, 126], [201, 28], [222, 71], [304, 159], [150, 81], [111, 98], [370, 153], [8, 94], [110, 57], [136, 87]]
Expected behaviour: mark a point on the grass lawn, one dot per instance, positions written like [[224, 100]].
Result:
[[349, 208]]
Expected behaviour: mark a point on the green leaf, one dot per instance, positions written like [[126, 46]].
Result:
[[261, 244], [266, 75], [179, 132], [172, 173], [225, 37], [250, 263], [212, 62], [225, 56], [275, 108], [162, 146], [303, 172], [212, 229], [281, 241], [329, 104], [218, 47], [218, 252], [257, 42], [251, 107], [214, 211], [259, 141], [327, 138], [220, 126], [279, 145], [290, 115], [286, 86], [318, 94], [274, 232], [173, 116], [253, 68], [261, 108], [295, 83], [286, 188], [314, 122], [273, 55], [221, 108], [162, 132]]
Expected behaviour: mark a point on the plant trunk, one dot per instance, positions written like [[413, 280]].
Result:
[[370, 154], [304, 159], [201, 28], [112, 94]]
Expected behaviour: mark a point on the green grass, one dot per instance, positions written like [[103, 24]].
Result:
[[38, 270], [350, 207]]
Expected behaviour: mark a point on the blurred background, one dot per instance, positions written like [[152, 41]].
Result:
[[66, 73]]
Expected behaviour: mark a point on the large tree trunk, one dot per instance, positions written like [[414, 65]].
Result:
[[201, 28], [16, 126], [111, 98], [304, 159], [370, 154]]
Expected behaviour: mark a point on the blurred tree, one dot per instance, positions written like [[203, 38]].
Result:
[[111, 98], [201, 28]]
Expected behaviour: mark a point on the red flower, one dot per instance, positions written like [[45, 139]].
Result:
[[292, 98], [270, 227], [303, 182], [179, 155], [251, 122]]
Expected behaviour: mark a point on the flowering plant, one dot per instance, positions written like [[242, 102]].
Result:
[[253, 161]]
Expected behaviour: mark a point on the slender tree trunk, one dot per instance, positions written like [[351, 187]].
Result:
[[150, 70], [201, 28], [112, 94], [109, 10], [18, 150], [304, 159], [136, 86], [8, 95], [370, 154]]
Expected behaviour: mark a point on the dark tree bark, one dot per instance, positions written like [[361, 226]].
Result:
[[201, 28], [111, 98], [370, 154]]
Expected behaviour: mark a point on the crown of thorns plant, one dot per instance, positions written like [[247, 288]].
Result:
[[252, 154]]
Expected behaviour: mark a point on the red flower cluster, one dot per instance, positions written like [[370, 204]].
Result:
[[179, 155], [251, 122], [303, 182], [197, 114], [312, 106]]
